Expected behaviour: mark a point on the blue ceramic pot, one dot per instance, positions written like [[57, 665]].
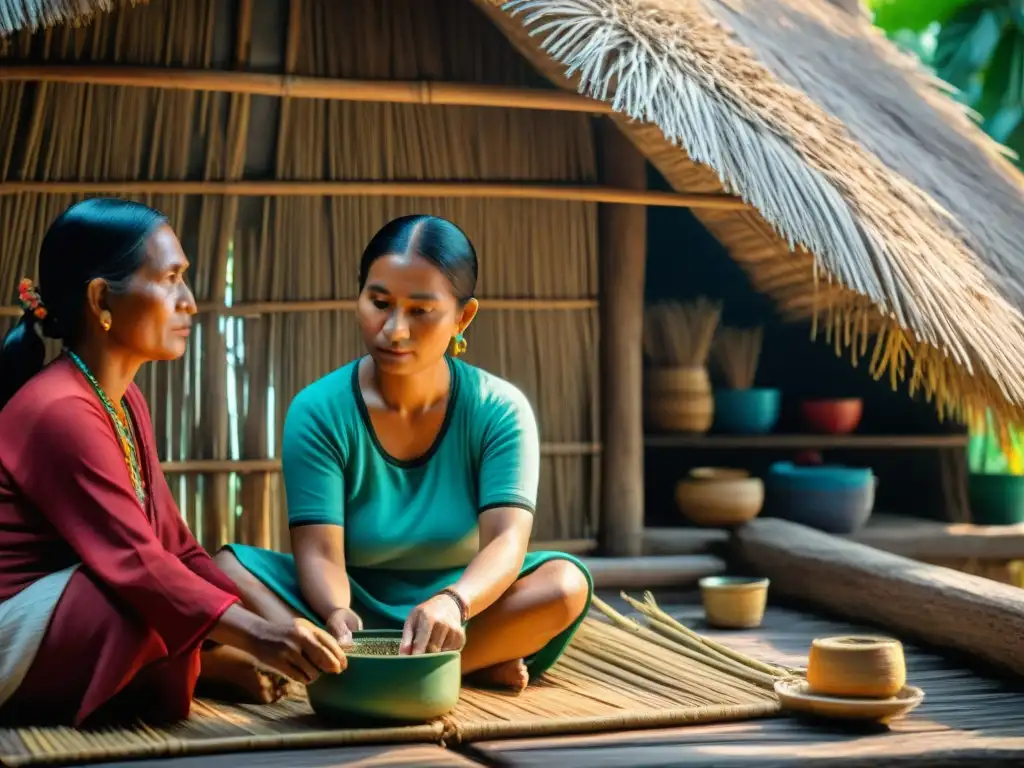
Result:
[[747, 411], [833, 499]]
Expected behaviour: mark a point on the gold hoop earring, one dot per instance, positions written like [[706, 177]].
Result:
[[106, 320], [458, 345]]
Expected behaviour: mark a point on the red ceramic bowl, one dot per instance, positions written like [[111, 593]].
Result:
[[832, 417]]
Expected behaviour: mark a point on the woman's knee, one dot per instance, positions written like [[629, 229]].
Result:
[[568, 587]]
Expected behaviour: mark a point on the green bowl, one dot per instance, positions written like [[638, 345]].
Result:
[[996, 499], [389, 688]]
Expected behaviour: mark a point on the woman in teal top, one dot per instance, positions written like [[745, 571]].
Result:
[[411, 479]]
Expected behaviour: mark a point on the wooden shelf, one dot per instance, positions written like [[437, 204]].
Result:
[[909, 537], [932, 540], [766, 442]]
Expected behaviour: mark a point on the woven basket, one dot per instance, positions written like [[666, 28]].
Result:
[[679, 399]]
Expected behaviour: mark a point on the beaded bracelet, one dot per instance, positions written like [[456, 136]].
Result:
[[463, 608]]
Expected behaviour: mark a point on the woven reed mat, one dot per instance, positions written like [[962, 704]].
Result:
[[608, 679]]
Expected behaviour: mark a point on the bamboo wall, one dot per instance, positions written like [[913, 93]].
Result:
[[279, 250]]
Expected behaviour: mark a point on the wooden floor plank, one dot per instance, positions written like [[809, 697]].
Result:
[[399, 756], [967, 718]]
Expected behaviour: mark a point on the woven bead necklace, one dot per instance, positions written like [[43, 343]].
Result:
[[123, 427]]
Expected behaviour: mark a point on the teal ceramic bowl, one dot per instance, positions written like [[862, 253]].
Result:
[[825, 477], [387, 688], [746, 411]]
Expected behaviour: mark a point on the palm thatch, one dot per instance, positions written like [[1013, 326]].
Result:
[[16, 15], [881, 209]]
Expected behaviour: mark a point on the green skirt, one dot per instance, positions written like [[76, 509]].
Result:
[[383, 599]]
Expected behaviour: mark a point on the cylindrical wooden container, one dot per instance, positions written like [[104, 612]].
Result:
[[679, 399], [856, 667], [734, 602]]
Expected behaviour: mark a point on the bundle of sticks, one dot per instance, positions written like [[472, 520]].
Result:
[[736, 353], [658, 627], [678, 335]]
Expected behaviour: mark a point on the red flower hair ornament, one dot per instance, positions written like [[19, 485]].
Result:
[[29, 299]]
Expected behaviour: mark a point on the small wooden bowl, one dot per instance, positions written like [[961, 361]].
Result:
[[796, 696], [856, 667], [734, 602], [720, 497]]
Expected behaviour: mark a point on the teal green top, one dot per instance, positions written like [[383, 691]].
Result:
[[411, 527]]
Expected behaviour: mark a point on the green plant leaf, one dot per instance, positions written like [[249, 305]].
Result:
[[1015, 142], [912, 42], [967, 43], [915, 15], [997, 76], [1001, 100], [1002, 125]]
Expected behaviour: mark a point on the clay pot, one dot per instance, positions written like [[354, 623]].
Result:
[[379, 686], [734, 602], [856, 667], [719, 497], [679, 399], [832, 417]]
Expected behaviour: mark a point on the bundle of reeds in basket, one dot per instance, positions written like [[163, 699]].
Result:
[[678, 335], [677, 342]]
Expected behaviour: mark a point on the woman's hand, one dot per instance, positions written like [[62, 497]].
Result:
[[298, 650], [433, 626], [341, 624]]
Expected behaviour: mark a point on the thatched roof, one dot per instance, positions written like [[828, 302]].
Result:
[[879, 207], [904, 213], [16, 15]]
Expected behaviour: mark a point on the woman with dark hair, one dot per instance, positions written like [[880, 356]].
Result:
[[411, 479], [106, 599]]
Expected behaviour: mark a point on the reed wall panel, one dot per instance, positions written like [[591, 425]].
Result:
[[309, 248]]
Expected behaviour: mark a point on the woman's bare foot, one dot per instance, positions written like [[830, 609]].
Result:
[[233, 675], [511, 675]]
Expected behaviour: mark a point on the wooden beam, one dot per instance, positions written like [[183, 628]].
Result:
[[452, 189], [808, 441], [257, 308], [651, 572], [568, 546], [682, 541], [248, 466], [623, 259], [932, 540], [294, 87], [913, 600], [926, 540]]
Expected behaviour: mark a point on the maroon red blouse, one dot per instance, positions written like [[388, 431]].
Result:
[[66, 497]]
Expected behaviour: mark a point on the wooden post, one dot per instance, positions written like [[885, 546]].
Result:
[[623, 257]]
